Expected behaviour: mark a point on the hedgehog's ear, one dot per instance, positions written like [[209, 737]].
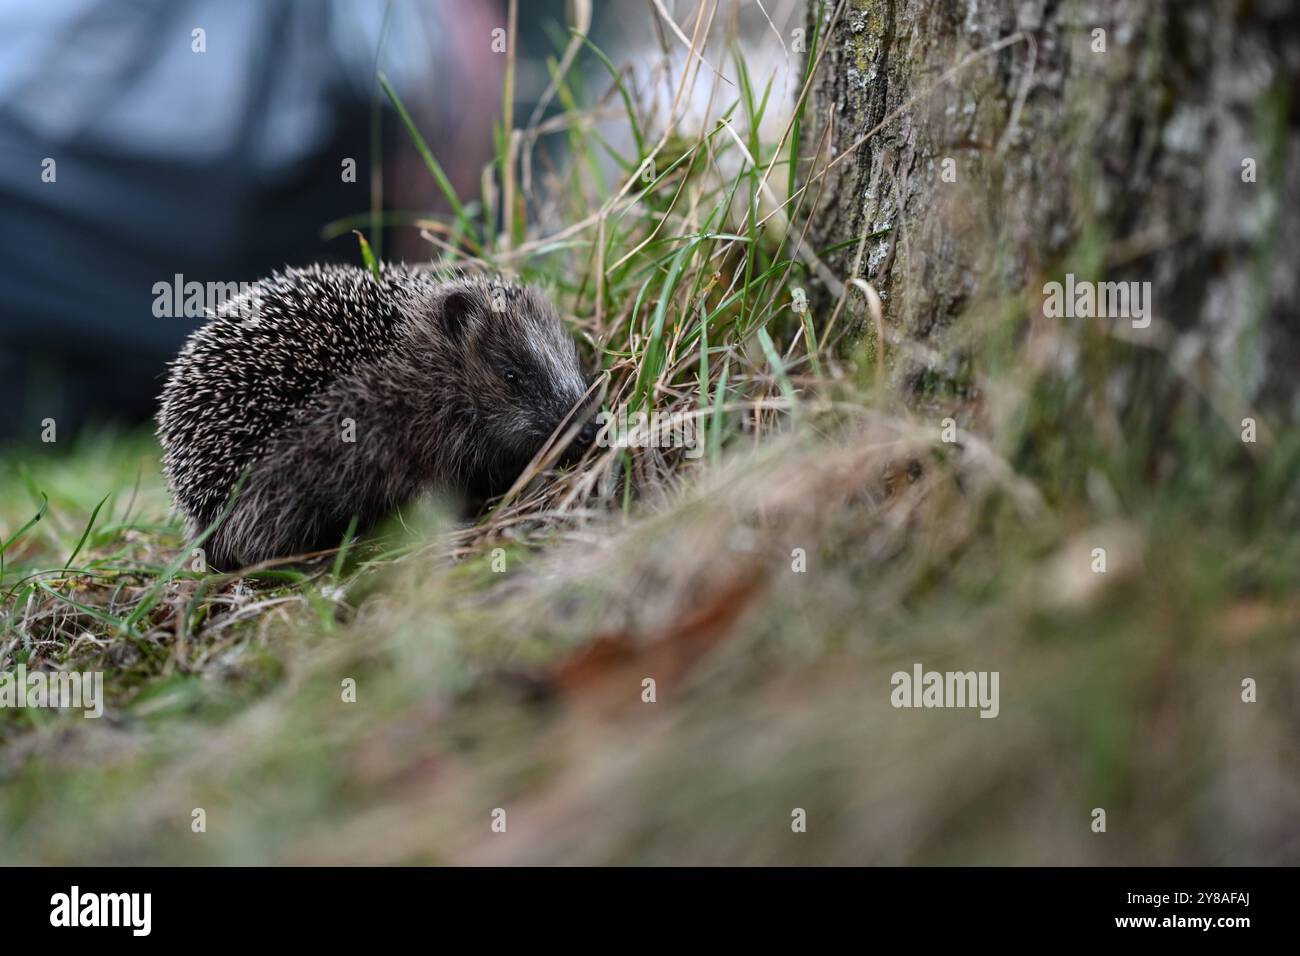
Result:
[[458, 312]]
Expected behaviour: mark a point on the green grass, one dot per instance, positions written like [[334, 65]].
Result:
[[522, 689]]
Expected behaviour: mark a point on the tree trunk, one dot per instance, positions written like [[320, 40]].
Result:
[[1020, 140]]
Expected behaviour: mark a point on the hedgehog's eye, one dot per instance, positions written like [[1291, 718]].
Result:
[[511, 377]]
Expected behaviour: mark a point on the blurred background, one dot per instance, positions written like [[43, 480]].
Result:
[[217, 156]]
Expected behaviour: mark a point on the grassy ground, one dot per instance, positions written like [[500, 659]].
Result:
[[827, 537]]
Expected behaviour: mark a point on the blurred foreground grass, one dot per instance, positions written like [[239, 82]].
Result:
[[523, 691]]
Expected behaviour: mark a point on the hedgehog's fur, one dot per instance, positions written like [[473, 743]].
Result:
[[443, 390]]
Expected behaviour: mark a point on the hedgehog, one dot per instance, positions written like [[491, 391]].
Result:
[[324, 395]]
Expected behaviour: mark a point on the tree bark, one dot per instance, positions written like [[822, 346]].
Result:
[[1120, 154]]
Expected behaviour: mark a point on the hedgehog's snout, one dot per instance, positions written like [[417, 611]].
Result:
[[578, 445], [587, 436]]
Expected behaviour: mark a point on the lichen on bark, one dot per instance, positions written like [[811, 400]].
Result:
[[1125, 160]]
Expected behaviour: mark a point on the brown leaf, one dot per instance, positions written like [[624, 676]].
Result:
[[609, 669]]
